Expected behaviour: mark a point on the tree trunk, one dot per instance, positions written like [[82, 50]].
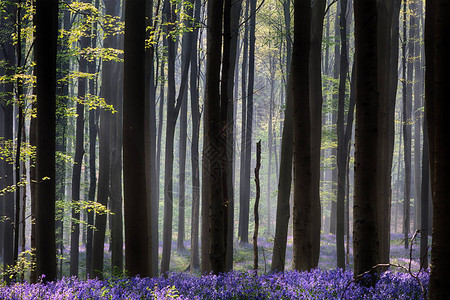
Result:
[[437, 112], [284, 188], [256, 209], [425, 190], [62, 128], [365, 238], [116, 132], [169, 13], [216, 115], [8, 119], [195, 253], [406, 134], [46, 38], [342, 148], [303, 191], [104, 153], [235, 13], [93, 121], [182, 145], [316, 100], [135, 195], [243, 188], [78, 161], [151, 132], [334, 117]]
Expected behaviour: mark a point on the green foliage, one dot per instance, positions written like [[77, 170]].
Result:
[[26, 262]]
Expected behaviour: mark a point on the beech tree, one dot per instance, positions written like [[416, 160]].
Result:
[[366, 252], [437, 111], [46, 38], [137, 233]]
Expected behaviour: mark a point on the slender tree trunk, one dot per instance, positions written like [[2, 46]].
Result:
[[8, 117], [366, 252], [243, 191], [137, 234], [342, 149], [334, 117], [151, 132], [425, 190], [169, 12], [316, 100], [256, 209], [62, 128], [108, 90], [93, 121], [46, 38], [116, 132], [406, 134], [78, 161], [195, 253], [182, 147], [233, 36]]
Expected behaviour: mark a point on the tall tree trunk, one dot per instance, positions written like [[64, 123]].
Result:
[[93, 120], [46, 38], [216, 115], [303, 190], [116, 132], [316, 100], [195, 253], [285, 174], [256, 208], [8, 114], [244, 185], [108, 90], [136, 213], [366, 252], [387, 51], [342, 148], [235, 13], [62, 129], [150, 125], [406, 133], [78, 161], [182, 145], [334, 171], [437, 112], [169, 13], [425, 190], [417, 94], [173, 109]]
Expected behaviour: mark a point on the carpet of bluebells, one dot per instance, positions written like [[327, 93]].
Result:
[[316, 284]]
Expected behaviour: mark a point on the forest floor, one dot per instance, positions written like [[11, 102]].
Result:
[[324, 282], [243, 254]]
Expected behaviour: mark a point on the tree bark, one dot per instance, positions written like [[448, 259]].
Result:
[[195, 253], [425, 191], [78, 161], [137, 234], [406, 132], [104, 153], [46, 39], [316, 100], [342, 148], [8, 114], [256, 208], [303, 191], [216, 149], [366, 252], [437, 112]]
